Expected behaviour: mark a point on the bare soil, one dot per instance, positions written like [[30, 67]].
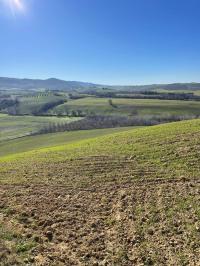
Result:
[[152, 222]]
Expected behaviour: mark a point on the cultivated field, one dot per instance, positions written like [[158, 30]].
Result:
[[29, 143], [105, 102], [128, 198], [32, 104], [131, 106], [12, 127], [196, 92]]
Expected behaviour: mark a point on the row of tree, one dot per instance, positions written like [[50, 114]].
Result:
[[47, 106], [147, 95], [7, 103], [98, 122]]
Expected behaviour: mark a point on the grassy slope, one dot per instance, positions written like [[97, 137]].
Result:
[[40, 141], [126, 106], [18, 126], [164, 151], [129, 198]]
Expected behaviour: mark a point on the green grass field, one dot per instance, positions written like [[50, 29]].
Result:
[[91, 105], [128, 106], [165, 151], [196, 92], [18, 126], [29, 143]]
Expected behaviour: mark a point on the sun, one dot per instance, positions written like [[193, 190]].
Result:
[[14, 5], [18, 4]]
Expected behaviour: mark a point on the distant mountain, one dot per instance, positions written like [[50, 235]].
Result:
[[51, 84], [173, 86], [57, 84]]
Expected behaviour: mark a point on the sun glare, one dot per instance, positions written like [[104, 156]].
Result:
[[18, 4], [15, 5]]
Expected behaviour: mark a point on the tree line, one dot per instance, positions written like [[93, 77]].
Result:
[[47, 106], [6, 103], [100, 122], [145, 95]]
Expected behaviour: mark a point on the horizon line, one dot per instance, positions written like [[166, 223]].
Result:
[[104, 84]]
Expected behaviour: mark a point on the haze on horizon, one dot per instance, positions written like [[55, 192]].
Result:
[[105, 42]]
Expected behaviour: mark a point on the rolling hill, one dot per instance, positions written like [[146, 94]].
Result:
[[127, 198], [28, 143], [13, 127], [51, 84], [57, 84]]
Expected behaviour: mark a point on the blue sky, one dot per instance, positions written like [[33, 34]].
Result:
[[102, 41]]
